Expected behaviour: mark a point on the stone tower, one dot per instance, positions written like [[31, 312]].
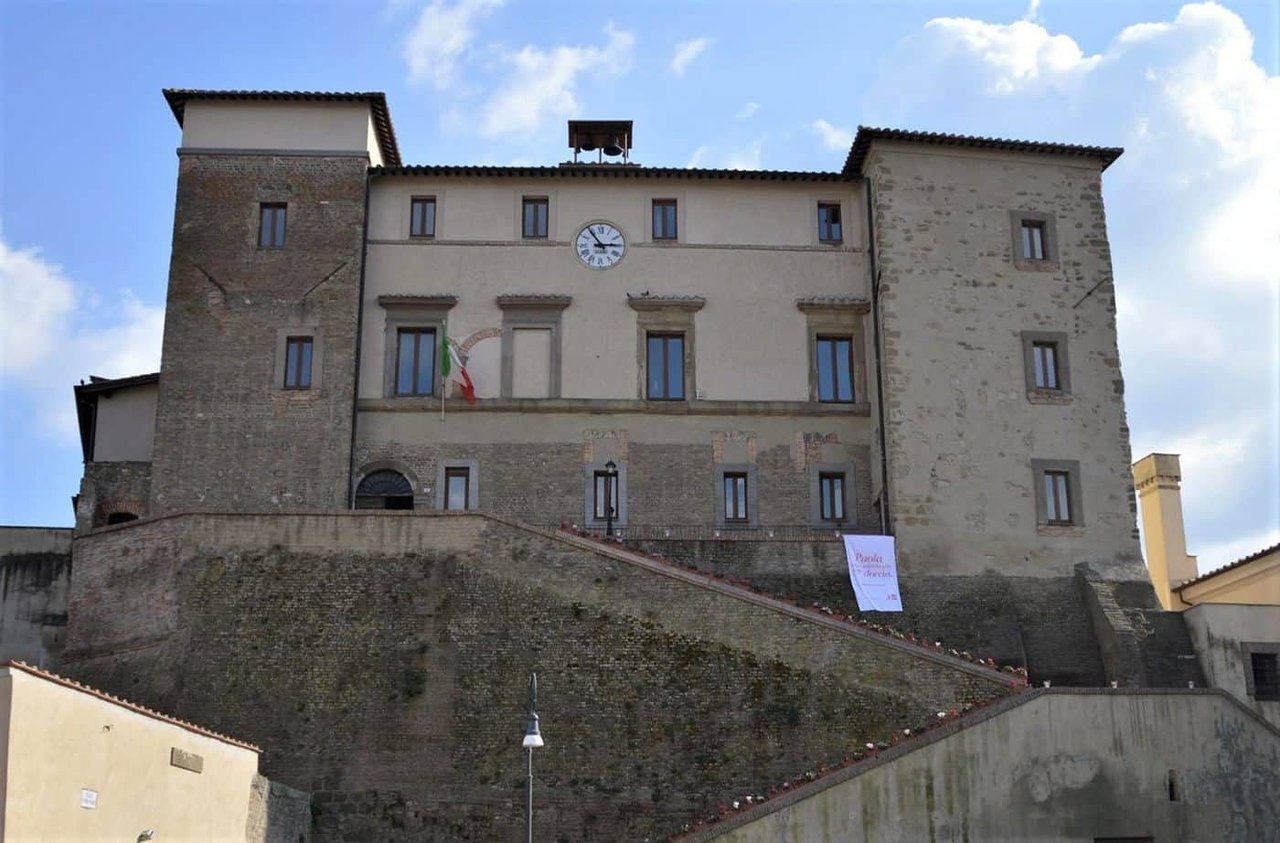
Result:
[[255, 410]]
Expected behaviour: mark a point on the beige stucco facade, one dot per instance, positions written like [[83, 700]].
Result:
[[81, 767], [125, 424], [1226, 635], [292, 127]]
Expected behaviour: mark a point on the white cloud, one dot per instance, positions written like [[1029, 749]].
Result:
[[832, 137], [541, 84], [686, 52], [742, 157], [1193, 213], [440, 37], [747, 111], [1033, 11], [55, 334]]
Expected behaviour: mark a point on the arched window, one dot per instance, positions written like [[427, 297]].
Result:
[[384, 489], [120, 518]]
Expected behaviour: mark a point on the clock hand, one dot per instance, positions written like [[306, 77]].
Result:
[[594, 237]]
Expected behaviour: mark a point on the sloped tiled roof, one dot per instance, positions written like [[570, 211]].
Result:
[[1252, 557], [179, 97], [867, 134], [134, 707]]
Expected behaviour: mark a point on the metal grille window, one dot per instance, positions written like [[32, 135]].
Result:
[[1057, 498], [605, 495], [457, 488], [1266, 675], [835, 369], [1033, 240], [297, 371], [271, 218], [1045, 358], [422, 216], [384, 489], [665, 365], [829, 227], [735, 497], [534, 216], [831, 495], [416, 361], [664, 219]]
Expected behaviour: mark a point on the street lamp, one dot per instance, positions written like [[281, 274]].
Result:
[[610, 480], [532, 739]]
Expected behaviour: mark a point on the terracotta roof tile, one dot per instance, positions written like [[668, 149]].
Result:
[[867, 134]]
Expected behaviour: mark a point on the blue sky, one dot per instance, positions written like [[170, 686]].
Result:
[[87, 166]]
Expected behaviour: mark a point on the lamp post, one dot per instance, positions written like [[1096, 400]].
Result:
[[610, 479], [532, 739]]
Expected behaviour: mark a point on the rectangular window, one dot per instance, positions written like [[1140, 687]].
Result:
[[1033, 248], [1057, 498], [735, 497], [422, 216], [1045, 357], [457, 489], [297, 362], [1266, 675], [534, 224], [665, 364], [831, 492], [605, 495], [835, 369], [829, 228], [271, 217], [416, 361], [664, 219]]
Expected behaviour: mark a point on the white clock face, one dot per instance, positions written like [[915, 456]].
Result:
[[600, 245]]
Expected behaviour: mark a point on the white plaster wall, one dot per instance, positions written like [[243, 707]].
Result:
[[962, 431], [1217, 631], [750, 339], [126, 424], [300, 126]]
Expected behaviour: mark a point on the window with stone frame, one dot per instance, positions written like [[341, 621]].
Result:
[[736, 505], [830, 228], [1034, 240], [1046, 368], [831, 499], [422, 216], [297, 367], [416, 361], [604, 495], [834, 360], [457, 488], [1265, 670], [664, 219], [1057, 493], [664, 363], [534, 217]]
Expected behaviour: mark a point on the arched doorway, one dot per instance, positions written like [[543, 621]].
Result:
[[384, 489]]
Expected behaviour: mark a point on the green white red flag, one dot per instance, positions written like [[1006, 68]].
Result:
[[451, 369]]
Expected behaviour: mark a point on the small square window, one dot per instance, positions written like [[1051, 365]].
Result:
[[664, 219], [271, 219], [665, 367], [416, 361], [829, 227], [534, 216], [831, 496], [835, 369], [1033, 241], [297, 362], [604, 495], [735, 497], [422, 216], [1265, 668], [457, 489], [1045, 358]]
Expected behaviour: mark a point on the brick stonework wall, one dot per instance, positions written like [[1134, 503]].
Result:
[[962, 429], [381, 660], [35, 581], [228, 437], [111, 487], [667, 485]]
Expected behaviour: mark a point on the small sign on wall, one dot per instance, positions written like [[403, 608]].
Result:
[[873, 570], [88, 798], [186, 760]]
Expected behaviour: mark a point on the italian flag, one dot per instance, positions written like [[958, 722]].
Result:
[[451, 369]]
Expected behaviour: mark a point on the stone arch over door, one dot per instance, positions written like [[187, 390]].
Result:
[[387, 484]]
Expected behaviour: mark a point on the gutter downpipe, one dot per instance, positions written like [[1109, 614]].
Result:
[[355, 394], [886, 521]]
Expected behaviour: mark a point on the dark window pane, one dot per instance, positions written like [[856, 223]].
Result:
[[405, 362], [664, 219], [655, 367], [291, 364], [831, 488], [423, 218], [1266, 675], [1033, 241], [675, 367], [426, 362], [735, 497], [829, 228], [535, 218], [271, 225], [826, 371], [304, 366], [605, 496], [457, 481], [844, 373]]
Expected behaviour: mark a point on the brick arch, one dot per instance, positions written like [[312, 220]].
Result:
[[419, 498], [464, 348]]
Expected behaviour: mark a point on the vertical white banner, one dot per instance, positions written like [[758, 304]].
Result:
[[873, 570]]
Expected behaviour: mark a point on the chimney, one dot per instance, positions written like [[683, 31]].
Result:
[[1157, 477]]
